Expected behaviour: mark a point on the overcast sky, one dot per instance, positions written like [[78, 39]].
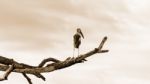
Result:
[[31, 30]]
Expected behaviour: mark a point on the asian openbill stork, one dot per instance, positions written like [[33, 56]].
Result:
[[77, 39]]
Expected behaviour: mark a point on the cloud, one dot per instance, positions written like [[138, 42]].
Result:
[[38, 29]]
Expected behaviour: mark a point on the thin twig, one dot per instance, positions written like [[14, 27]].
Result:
[[102, 43], [48, 60], [28, 79], [40, 76]]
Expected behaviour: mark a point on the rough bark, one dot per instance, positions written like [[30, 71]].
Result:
[[9, 65]]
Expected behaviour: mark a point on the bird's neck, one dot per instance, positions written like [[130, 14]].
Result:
[[78, 33]]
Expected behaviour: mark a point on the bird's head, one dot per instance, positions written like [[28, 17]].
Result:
[[80, 32]]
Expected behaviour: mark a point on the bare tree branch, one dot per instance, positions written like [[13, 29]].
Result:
[[55, 65], [28, 79], [8, 71], [48, 60]]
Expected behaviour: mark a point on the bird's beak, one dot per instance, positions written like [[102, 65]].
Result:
[[82, 34]]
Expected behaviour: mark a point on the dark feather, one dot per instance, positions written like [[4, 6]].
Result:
[[77, 40]]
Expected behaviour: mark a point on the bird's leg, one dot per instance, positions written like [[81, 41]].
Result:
[[73, 51], [78, 51]]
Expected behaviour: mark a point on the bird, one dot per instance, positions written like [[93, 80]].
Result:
[[77, 39]]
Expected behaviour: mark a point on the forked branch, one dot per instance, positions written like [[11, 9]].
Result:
[[10, 65]]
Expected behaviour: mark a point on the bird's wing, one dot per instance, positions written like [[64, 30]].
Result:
[[76, 38]]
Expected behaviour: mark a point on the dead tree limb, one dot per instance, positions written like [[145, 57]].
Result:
[[7, 64], [28, 79], [8, 71]]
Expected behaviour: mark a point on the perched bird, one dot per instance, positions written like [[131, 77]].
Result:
[[77, 40]]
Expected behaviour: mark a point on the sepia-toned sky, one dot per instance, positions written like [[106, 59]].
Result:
[[31, 30]]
